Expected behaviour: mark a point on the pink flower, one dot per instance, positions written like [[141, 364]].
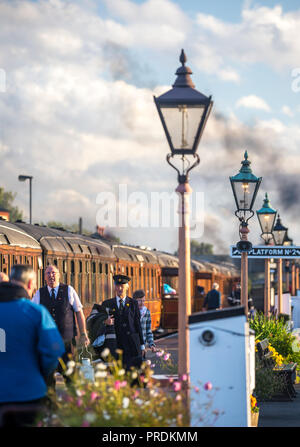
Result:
[[79, 402], [184, 377], [166, 356], [123, 383], [117, 385], [171, 380], [196, 389], [85, 424], [136, 393], [208, 386], [94, 396], [178, 397], [177, 386], [159, 354]]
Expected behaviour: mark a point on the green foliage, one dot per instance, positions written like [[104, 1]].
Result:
[[6, 201], [267, 383], [199, 249], [278, 334]]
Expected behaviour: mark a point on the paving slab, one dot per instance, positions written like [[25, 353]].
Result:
[[280, 414]]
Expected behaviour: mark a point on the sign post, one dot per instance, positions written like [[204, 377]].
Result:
[[268, 252]]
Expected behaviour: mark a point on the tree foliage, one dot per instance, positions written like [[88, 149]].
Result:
[[6, 201], [199, 249]]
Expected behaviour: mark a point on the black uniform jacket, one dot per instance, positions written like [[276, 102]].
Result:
[[127, 326]]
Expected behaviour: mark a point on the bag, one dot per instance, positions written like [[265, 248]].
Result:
[[99, 341]]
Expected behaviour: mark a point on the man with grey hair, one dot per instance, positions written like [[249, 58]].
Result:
[[3, 277], [65, 307], [33, 346], [213, 298]]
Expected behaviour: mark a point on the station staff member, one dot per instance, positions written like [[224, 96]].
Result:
[[125, 316], [65, 307]]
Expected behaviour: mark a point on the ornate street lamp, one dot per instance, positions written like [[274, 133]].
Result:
[[245, 186], [183, 111], [23, 178], [266, 217], [288, 242], [279, 233]]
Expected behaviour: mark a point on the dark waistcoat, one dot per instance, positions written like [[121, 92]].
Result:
[[60, 310]]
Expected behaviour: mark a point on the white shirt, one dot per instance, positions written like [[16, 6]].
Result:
[[72, 295], [120, 299]]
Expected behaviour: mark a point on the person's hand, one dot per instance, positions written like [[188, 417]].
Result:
[[110, 321], [143, 353], [84, 339], [153, 348]]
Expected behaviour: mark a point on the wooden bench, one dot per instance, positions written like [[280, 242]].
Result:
[[286, 371]]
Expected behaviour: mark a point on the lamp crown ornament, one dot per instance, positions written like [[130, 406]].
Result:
[[183, 73]]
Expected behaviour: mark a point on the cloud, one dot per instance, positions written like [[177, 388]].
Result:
[[253, 102], [287, 111], [77, 115], [264, 35]]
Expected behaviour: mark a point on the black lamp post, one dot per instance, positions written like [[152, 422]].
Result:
[[279, 233], [287, 242], [266, 217], [22, 178], [183, 111], [245, 186]]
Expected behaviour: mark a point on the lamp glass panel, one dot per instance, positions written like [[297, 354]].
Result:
[[182, 123], [266, 222], [244, 192], [279, 236]]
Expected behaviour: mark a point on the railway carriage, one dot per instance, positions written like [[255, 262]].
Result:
[[89, 263], [18, 247], [85, 263]]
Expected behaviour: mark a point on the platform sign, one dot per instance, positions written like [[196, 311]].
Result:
[[265, 252]]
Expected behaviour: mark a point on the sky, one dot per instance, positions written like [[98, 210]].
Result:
[[77, 80]]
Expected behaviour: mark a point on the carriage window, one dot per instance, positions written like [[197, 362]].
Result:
[[55, 262], [80, 266], [72, 267], [100, 267], [106, 269], [94, 267]]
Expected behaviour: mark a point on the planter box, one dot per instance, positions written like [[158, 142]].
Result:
[[164, 379], [254, 419]]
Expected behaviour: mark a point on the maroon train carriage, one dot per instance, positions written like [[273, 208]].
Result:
[[18, 247], [203, 274], [85, 263]]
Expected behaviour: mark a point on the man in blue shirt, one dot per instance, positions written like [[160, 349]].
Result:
[[213, 298], [30, 345]]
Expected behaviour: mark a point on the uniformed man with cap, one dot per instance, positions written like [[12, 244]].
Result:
[[123, 314]]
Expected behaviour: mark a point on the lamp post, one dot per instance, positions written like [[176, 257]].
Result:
[[183, 112], [289, 242], [245, 186], [279, 233], [266, 217], [22, 178]]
